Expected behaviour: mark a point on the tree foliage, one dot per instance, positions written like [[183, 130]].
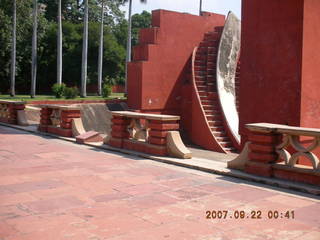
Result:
[[72, 11]]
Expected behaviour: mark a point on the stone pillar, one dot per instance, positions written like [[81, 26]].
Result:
[[158, 136], [13, 108], [45, 120], [66, 117], [119, 131], [262, 153]]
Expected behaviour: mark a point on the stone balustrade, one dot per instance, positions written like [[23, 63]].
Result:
[[142, 132], [275, 151], [57, 119], [9, 110]]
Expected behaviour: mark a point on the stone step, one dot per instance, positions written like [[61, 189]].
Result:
[[223, 139], [200, 57], [226, 144], [201, 83], [217, 128], [219, 133], [208, 43], [200, 73], [216, 123], [200, 68], [211, 36], [230, 149], [214, 117]]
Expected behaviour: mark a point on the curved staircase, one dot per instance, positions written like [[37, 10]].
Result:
[[205, 89]]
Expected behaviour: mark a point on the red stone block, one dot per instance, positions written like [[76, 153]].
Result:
[[157, 126], [119, 128], [115, 142], [66, 120], [157, 141], [90, 136], [45, 121], [265, 138], [255, 147], [260, 169], [66, 125], [156, 150], [60, 131], [121, 121], [46, 111], [134, 145], [155, 133], [43, 128], [120, 134], [68, 114], [297, 176], [5, 120], [19, 107], [263, 157], [163, 122]]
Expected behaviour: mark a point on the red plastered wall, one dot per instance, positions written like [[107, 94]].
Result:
[[159, 74], [271, 62]]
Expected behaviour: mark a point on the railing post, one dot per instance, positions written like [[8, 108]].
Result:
[[119, 131], [158, 135], [45, 120], [262, 153]]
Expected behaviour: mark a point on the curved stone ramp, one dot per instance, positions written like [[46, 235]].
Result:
[[96, 117], [77, 127], [227, 59], [176, 147], [32, 114], [22, 118]]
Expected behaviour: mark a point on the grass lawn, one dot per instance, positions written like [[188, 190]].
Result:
[[51, 97]]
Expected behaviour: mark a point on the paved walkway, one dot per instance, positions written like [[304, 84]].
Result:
[[52, 190]]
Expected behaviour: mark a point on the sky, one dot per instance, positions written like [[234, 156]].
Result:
[[189, 6]]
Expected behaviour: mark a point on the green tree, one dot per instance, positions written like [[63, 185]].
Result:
[[128, 56], [139, 21]]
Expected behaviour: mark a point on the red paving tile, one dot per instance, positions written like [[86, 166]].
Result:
[[57, 190]]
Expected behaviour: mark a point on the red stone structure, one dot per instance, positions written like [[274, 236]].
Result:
[[142, 132], [168, 76], [8, 110], [275, 150], [280, 62], [57, 119]]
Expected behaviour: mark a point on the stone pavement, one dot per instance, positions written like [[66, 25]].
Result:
[[52, 190]]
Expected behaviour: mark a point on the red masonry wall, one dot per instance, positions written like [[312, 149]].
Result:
[[158, 75], [271, 62], [310, 87]]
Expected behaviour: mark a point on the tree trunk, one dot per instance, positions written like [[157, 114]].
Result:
[[13, 51], [84, 53], [128, 58], [100, 59], [34, 49], [59, 45]]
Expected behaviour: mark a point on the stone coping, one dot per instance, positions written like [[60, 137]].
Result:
[[61, 107], [146, 115], [12, 102], [284, 129]]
